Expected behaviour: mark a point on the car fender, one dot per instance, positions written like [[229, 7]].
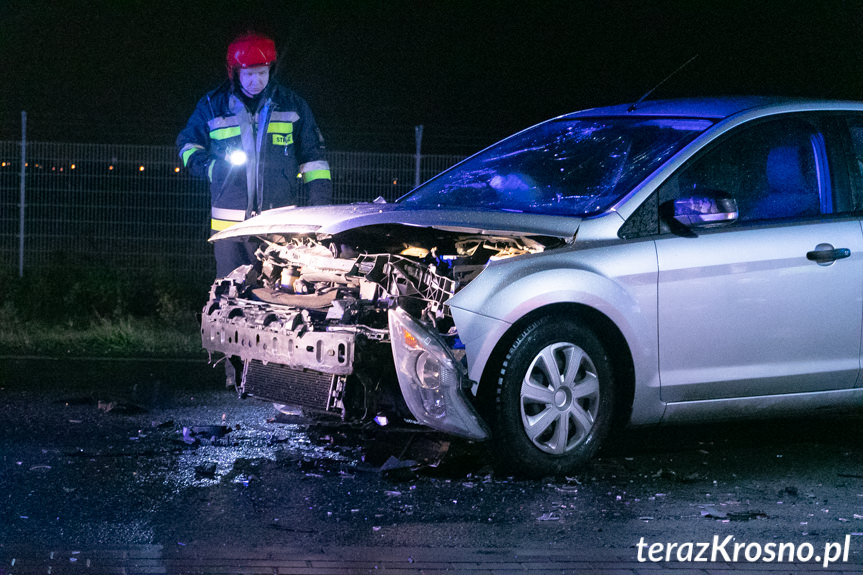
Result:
[[509, 290]]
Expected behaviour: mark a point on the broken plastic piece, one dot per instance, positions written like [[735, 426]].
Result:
[[711, 512], [204, 433], [207, 470]]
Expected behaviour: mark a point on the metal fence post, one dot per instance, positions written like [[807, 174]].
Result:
[[23, 193], [418, 133]]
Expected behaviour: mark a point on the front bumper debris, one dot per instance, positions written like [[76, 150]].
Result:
[[251, 329]]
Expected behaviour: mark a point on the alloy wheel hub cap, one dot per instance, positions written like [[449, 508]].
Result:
[[562, 397]]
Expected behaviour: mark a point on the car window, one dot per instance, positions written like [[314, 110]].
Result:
[[854, 126], [775, 170], [573, 167]]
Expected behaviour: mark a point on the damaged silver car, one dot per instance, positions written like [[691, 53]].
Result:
[[671, 261]]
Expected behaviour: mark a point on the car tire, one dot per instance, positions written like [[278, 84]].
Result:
[[554, 399]]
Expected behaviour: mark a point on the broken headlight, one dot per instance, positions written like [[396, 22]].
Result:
[[431, 379]]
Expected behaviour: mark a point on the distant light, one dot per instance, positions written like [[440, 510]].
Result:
[[3, 164], [176, 170], [140, 168], [237, 157], [72, 167], [110, 168], [395, 182]]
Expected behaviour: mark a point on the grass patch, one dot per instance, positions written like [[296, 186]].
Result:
[[98, 313]]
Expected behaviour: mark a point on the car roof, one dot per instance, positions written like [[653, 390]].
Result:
[[715, 108]]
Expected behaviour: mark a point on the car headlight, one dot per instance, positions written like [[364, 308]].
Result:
[[428, 371], [431, 379]]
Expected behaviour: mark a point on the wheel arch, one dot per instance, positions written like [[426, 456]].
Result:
[[603, 327]]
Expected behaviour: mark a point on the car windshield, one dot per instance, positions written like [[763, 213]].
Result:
[[572, 167]]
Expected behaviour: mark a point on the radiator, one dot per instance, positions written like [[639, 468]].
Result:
[[281, 384]]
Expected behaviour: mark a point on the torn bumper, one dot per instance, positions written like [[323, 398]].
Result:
[[255, 331], [432, 381]]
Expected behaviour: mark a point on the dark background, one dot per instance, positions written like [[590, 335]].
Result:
[[131, 71]]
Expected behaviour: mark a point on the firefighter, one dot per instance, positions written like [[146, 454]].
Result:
[[253, 139]]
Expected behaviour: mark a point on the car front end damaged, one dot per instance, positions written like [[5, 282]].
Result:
[[324, 324]]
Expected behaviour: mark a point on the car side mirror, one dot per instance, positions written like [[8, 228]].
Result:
[[706, 210]]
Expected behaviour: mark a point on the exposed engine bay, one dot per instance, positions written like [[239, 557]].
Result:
[[356, 324]]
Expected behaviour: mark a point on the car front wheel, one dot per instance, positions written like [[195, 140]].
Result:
[[554, 399]]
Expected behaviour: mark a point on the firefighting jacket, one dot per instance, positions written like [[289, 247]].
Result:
[[282, 144]]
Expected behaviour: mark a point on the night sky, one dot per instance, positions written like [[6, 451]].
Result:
[[131, 71]]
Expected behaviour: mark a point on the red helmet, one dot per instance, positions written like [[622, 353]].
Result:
[[250, 50]]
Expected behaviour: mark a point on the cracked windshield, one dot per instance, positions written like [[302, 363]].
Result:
[[569, 167]]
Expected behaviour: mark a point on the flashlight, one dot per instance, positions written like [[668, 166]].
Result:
[[237, 157]]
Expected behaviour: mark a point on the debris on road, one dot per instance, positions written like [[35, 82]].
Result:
[[204, 433], [207, 470], [746, 515], [117, 406], [710, 512], [671, 474], [397, 469], [106, 406]]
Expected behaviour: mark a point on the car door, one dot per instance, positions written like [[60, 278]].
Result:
[[770, 304]]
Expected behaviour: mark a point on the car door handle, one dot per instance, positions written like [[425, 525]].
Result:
[[828, 255]]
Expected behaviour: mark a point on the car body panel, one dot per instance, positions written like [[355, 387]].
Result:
[[763, 406], [595, 277], [718, 292], [735, 108], [331, 220]]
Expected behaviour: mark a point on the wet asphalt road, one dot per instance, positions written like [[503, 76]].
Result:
[[96, 453]]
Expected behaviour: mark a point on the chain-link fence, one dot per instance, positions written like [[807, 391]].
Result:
[[132, 207]]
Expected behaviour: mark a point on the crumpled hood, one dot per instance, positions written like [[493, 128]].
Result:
[[330, 220]]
